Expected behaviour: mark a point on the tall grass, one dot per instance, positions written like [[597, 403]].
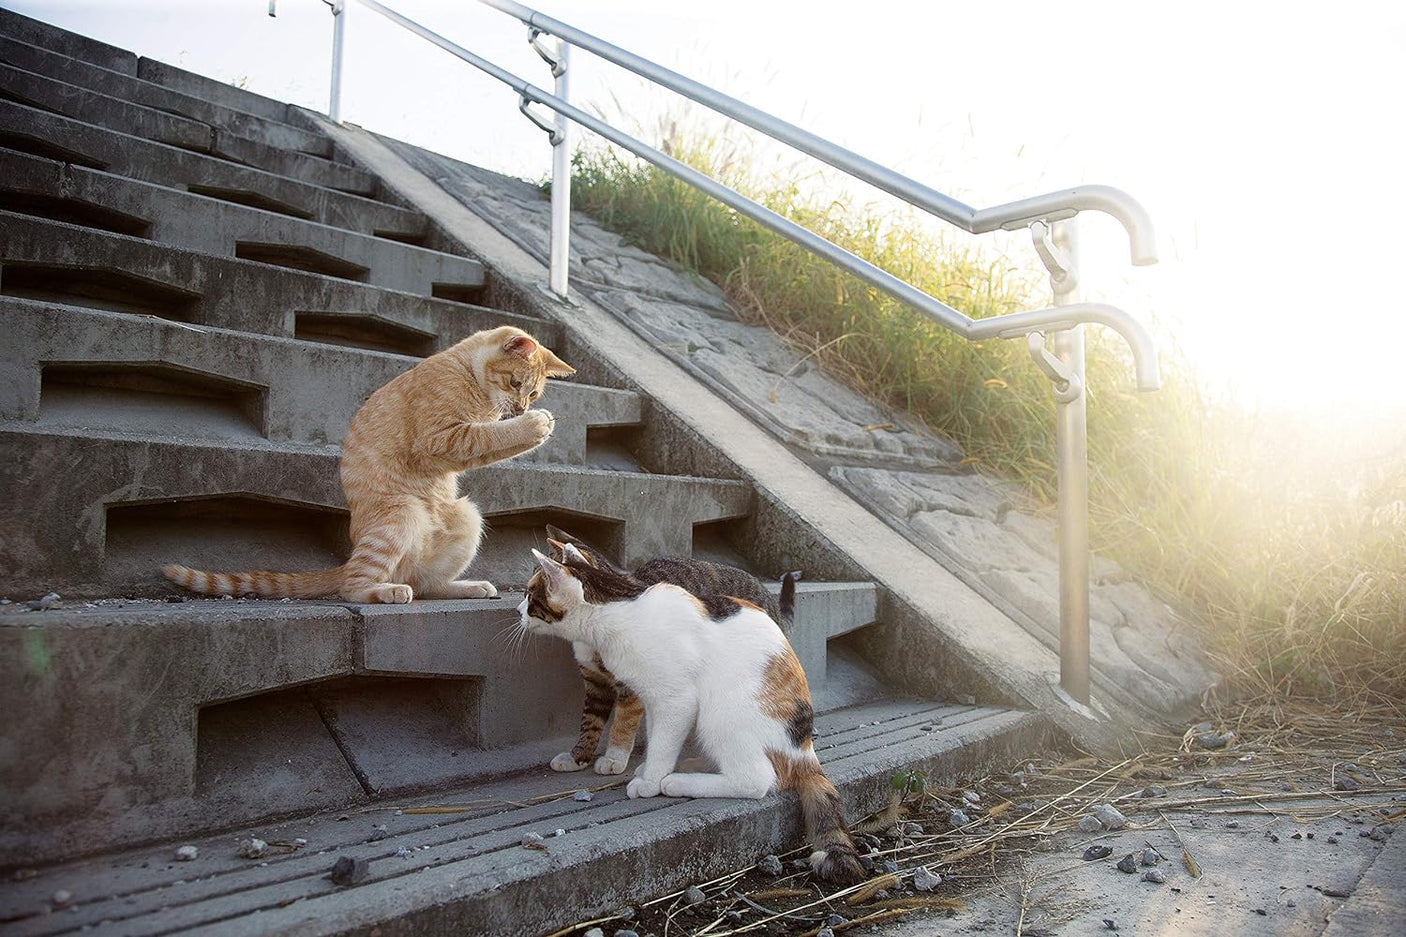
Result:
[[1296, 572]]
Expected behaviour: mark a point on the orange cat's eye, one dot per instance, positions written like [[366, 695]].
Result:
[[515, 383]]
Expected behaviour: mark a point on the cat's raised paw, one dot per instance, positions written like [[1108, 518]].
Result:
[[540, 423], [565, 762], [612, 762], [641, 787]]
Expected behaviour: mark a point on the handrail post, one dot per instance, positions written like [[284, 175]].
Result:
[[1072, 455], [339, 26], [561, 181]]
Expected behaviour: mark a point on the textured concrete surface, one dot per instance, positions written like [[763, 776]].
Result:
[[137, 158], [45, 259], [227, 229], [467, 872]]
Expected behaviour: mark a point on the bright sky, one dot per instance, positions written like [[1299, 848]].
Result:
[[1265, 138]]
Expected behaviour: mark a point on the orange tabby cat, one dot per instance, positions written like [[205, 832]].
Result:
[[462, 408]]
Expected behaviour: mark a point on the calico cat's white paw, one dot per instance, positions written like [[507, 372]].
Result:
[[612, 762], [641, 787], [564, 762]]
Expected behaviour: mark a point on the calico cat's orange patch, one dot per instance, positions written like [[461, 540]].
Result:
[[784, 689]]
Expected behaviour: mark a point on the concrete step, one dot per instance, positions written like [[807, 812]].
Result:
[[41, 133], [125, 87], [102, 110], [78, 369], [37, 32], [131, 503], [82, 266], [466, 872], [218, 92], [371, 700], [64, 192]]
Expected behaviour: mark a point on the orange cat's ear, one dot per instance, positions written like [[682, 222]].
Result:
[[521, 346], [555, 366]]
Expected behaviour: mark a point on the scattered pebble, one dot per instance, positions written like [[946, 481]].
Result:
[[61, 899], [1212, 741], [694, 895], [43, 605], [966, 699], [626, 932], [1150, 857], [533, 841], [1097, 852], [1109, 923], [923, 880], [1297, 836], [890, 867], [1156, 876], [879, 895], [1109, 816], [1232, 824], [1344, 783], [1332, 840], [594, 932], [582, 796], [558, 832], [770, 865], [825, 932], [187, 854], [1089, 823], [971, 797], [1128, 864], [835, 920], [253, 848], [958, 818], [404, 852], [1377, 834], [1155, 790], [350, 870], [799, 864]]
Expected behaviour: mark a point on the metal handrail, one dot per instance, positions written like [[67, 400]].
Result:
[[1047, 216], [1053, 206]]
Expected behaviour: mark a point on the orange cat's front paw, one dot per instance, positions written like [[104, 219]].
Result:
[[395, 595], [540, 424]]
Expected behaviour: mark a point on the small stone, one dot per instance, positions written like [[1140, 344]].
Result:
[[1212, 741], [1332, 840], [770, 865], [799, 864], [378, 832], [1109, 923], [1344, 783], [626, 932], [1202, 727], [929, 727], [1377, 834], [350, 870], [923, 880], [866, 863], [966, 699], [252, 848], [1155, 876], [1154, 790], [825, 932], [43, 605], [1310, 836], [835, 920], [1128, 864], [1089, 823], [881, 894], [558, 832], [61, 899], [694, 895], [187, 854], [533, 841], [1232, 824], [971, 797], [594, 932], [583, 797], [890, 866], [404, 852], [734, 916], [912, 829], [1149, 857], [1291, 903], [1097, 852], [1109, 816], [958, 818], [1273, 837]]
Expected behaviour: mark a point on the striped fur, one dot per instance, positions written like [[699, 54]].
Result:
[[466, 407]]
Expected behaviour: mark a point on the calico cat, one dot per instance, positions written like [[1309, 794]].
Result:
[[712, 662], [603, 692], [412, 534]]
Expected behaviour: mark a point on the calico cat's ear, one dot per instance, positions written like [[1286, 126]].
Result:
[[557, 546], [574, 555], [555, 572], [521, 346], [555, 366]]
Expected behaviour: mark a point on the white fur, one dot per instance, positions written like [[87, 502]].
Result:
[[689, 670]]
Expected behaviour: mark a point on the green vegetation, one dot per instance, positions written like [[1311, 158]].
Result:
[[1297, 573]]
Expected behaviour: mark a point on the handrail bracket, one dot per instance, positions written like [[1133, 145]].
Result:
[[553, 132]]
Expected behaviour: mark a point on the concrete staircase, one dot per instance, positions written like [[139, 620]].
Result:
[[198, 289]]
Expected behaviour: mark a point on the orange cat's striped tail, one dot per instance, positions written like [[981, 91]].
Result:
[[315, 585]]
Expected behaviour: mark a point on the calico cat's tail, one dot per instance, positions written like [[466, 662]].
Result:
[[834, 858], [315, 585], [787, 600]]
